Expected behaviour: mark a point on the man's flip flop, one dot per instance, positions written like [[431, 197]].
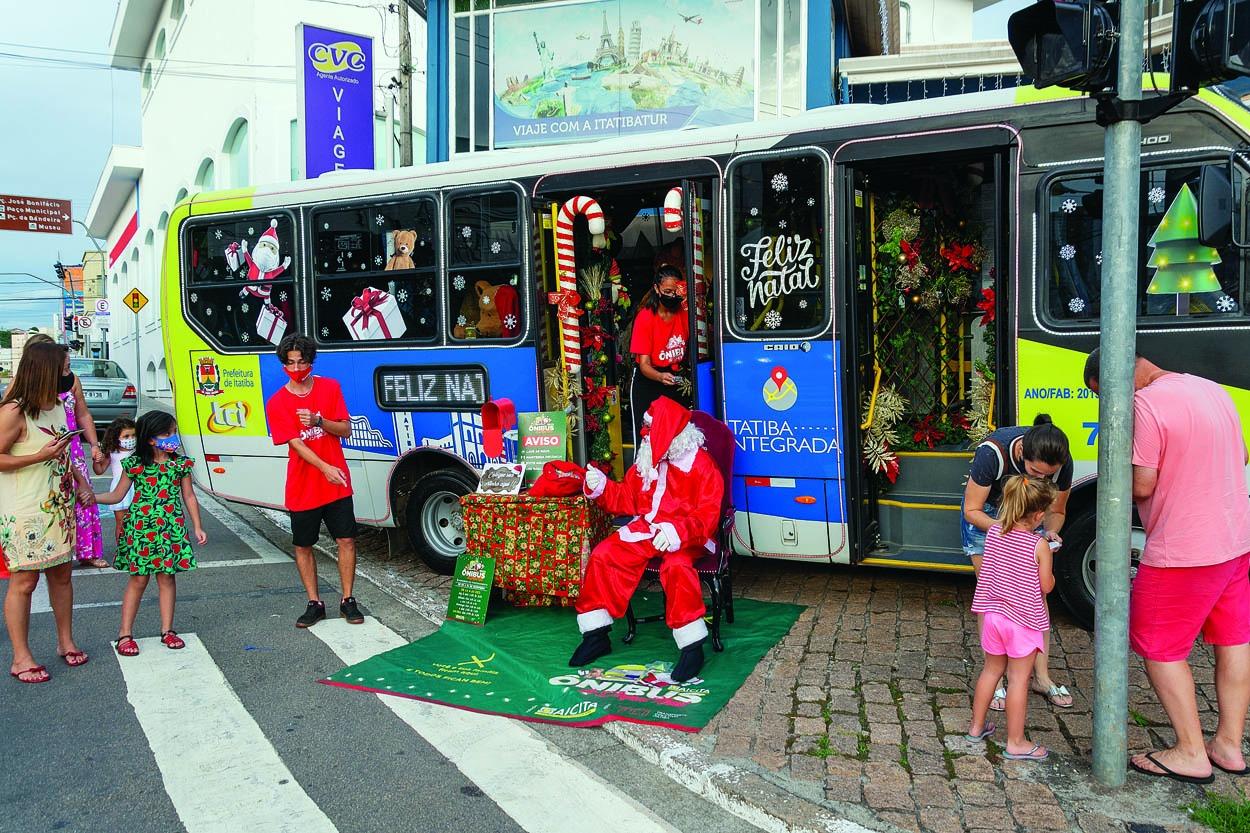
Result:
[[1031, 755], [1222, 768], [985, 733], [1167, 773]]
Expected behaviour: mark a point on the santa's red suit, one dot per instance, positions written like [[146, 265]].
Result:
[[673, 491]]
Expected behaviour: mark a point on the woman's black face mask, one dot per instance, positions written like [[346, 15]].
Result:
[[66, 383], [670, 302]]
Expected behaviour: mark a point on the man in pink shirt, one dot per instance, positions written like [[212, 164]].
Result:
[[1189, 483]]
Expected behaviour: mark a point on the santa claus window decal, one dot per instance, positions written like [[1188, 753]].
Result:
[[240, 279], [375, 267], [485, 248], [777, 260], [1177, 275]]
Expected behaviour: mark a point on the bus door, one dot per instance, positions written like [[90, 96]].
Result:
[[924, 265], [698, 227]]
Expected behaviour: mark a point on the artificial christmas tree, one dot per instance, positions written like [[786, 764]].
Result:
[[1182, 265]]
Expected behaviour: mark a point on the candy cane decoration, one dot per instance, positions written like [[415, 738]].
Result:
[[672, 222], [566, 270]]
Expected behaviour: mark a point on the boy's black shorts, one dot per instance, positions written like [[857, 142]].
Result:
[[339, 517]]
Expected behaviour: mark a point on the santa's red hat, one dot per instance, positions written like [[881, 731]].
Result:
[[270, 234], [668, 419]]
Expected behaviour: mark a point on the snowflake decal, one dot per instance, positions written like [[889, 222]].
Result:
[[803, 303], [1225, 304], [1077, 305], [220, 334], [208, 311], [1156, 195], [1068, 206], [1067, 251], [229, 308], [773, 319], [282, 295], [1098, 258], [326, 294], [780, 182], [325, 226], [755, 212], [251, 230], [466, 232], [379, 220], [811, 202], [495, 247], [461, 320], [781, 224], [215, 272], [402, 295], [429, 290], [217, 234], [244, 308], [195, 299], [510, 321], [364, 267], [377, 260], [325, 332], [421, 321], [245, 337], [458, 282], [742, 320]]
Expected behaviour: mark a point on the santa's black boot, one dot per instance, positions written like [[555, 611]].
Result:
[[594, 645], [689, 663]]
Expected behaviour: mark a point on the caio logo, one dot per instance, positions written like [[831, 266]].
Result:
[[337, 57], [228, 416]]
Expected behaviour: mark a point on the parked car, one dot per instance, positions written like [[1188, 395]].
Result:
[[109, 394]]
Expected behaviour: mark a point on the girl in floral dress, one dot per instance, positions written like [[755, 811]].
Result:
[[154, 535]]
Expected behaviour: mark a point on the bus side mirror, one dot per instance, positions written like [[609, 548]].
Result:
[[1215, 206]]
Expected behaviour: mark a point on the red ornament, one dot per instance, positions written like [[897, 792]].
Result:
[[987, 307]]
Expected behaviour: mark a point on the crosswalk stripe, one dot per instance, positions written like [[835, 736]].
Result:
[[256, 542], [216, 764], [540, 789]]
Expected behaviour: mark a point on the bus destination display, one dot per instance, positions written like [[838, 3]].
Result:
[[431, 388]]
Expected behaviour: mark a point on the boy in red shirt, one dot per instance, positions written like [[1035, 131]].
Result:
[[309, 416]]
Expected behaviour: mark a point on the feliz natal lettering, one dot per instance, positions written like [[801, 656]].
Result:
[[777, 267]]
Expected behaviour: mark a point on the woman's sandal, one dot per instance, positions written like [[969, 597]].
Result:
[[126, 646], [43, 677], [172, 640], [1054, 692], [74, 658]]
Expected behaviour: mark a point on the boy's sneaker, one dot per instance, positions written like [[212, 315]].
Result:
[[315, 613], [349, 610]]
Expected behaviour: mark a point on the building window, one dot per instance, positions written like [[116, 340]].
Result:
[[237, 154], [160, 46], [163, 222], [376, 272], [206, 176], [182, 195], [1178, 276], [239, 279], [777, 259], [175, 9], [147, 77], [486, 245]]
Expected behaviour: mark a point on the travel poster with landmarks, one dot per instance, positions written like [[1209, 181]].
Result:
[[542, 437], [470, 589]]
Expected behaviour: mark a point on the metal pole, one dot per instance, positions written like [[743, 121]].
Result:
[[405, 87], [1118, 339], [138, 370]]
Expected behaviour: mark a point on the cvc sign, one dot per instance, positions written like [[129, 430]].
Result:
[[335, 100]]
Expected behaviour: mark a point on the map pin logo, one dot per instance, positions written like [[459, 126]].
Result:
[[779, 376]]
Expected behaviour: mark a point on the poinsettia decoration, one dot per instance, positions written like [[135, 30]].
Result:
[[959, 255], [927, 432], [987, 307], [910, 252]]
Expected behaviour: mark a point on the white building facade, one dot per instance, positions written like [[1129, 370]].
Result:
[[219, 110]]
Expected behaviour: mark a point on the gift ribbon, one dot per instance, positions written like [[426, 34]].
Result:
[[366, 307], [568, 302], [275, 316]]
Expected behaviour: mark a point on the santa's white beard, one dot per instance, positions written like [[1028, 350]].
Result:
[[681, 453], [265, 256]]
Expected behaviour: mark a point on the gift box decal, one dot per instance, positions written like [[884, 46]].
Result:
[[271, 324], [374, 316]]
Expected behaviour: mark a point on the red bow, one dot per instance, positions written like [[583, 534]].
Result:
[[568, 302], [987, 306], [911, 251], [367, 307], [958, 256]]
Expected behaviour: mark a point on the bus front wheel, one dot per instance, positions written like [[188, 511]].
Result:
[[435, 525], [1076, 565]]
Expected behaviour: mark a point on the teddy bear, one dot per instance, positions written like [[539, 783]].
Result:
[[497, 313], [404, 241]]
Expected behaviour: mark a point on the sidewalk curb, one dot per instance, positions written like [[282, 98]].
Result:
[[736, 790]]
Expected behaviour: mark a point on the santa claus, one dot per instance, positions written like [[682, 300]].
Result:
[[262, 263], [673, 491]]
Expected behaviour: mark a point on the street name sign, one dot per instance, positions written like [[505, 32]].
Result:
[[41, 214], [135, 300]]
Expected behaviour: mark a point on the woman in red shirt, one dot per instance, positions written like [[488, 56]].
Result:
[[660, 336]]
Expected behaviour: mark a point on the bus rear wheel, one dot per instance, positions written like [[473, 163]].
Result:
[[1076, 565], [435, 525]]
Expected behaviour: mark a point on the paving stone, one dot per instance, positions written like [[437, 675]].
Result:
[[1039, 816], [990, 818], [903, 821], [934, 820], [848, 703], [880, 796], [973, 768], [807, 768], [981, 793], [891, 733], [932, 791], [809, 694], [733, 746], [925, 763], [877, 693], [1028, 792]]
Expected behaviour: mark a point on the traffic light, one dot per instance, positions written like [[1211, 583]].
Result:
[[1069, 43], [1210, 42]]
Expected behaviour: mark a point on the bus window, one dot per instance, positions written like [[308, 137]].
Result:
[[1177, 275], [375, 272], [485, 250], [777, 262], [240, 279]]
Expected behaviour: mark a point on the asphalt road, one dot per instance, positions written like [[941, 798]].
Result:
[[234, 733]]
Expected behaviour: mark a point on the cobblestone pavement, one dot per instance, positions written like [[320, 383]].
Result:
[[867, 700]]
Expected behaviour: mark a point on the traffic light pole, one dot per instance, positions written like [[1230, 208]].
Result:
[[1122, 186]]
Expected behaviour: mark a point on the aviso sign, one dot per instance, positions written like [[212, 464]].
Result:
[[462, 388]]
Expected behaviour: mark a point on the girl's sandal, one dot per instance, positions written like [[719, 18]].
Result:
[[172, 640], [126, 646], [74, 658]]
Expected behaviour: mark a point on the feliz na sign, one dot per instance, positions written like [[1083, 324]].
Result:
[[777, 266]]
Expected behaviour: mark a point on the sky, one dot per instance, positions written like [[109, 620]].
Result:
[[991, 23], [62, 121]]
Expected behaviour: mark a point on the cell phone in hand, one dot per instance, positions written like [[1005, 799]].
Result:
[[1054, 545], [71, 434]]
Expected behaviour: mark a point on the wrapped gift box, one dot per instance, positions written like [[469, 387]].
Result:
[[540, 545], [374, 315], [271, 324]]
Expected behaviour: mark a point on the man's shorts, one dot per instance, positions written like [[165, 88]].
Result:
[[339, 517], [1002, 636], [1170, 606]]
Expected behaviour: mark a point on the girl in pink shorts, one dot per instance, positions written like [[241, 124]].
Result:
[[1010, 598]]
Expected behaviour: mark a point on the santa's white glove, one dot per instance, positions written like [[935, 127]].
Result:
[[661, 542], [595, 481]]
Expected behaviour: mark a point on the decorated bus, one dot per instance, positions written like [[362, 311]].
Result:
[[870, 290]]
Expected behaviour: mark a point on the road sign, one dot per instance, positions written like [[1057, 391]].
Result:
[[50, 216], [102, 306], [136, 300], [84, 322]]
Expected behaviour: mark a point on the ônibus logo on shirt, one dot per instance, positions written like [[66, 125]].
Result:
[[674, 351]]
